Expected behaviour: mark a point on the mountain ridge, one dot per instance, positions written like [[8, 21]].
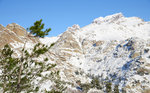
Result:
[[114, 48]]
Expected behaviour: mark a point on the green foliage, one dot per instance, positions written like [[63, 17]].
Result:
[[17, 74], [37, 29], [7, 52], [59, 85], [86, 87], [116, 90], [108, 87], [39, 49], [9, 67], [52, 91], [96, 83]]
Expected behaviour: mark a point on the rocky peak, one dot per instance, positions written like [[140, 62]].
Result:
[[14, 33], [2, 27], [74, 27], [108, 19], [17, 29]]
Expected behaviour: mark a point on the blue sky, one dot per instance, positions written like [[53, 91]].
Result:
[[60, 14]]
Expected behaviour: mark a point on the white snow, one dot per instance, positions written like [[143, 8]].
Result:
[[49, 40]]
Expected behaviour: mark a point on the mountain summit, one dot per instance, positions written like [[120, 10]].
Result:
[[113, 48], [108, 19]]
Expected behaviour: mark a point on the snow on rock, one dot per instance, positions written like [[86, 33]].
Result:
[[112, 47], [49, 40], [120, 29], [74, 27], [108, 19]]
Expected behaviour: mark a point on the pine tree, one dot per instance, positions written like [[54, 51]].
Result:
[[108, 87], [17, 74], [31, 68], [58, 84], [9, 69], [116, 90], [37, 29], [95, 83]]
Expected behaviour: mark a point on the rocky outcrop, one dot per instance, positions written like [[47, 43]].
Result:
[[7, 36], [14, 33], [17, 29], [108, 19], [68, 43]]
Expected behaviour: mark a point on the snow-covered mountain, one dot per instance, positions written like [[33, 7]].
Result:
[[114, 48]]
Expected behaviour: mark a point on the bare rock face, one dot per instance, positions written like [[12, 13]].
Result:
[[17, 29], [14, 33], [1, 27], [75, 27], [7, 36], [68, 43]]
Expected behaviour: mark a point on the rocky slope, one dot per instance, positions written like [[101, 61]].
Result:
[[114, 48]]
